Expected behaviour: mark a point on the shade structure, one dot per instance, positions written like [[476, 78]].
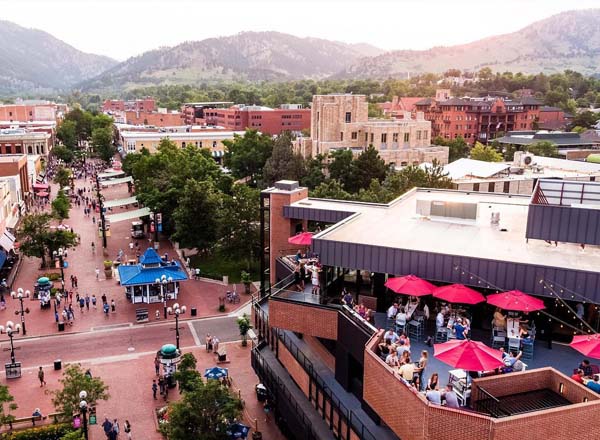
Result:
[[238, 430], [410, 285], [459, 294], [588, 345], [42, 194], [468, 355], [516, 300], [302, 239], [40, 186], [215, 373]]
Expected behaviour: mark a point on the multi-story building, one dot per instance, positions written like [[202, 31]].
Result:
[[478, 119], [14, 172], [320, 361], [42, 111], [140, 105], [340, 121], [289, 117], [211, 139], [552, 118], [203, 113], [21, 141], [161, 118]]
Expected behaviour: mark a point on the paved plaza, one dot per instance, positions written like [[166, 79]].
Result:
[[114, 346]]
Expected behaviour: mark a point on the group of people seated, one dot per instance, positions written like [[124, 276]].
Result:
[[395, 350], [455, 321], [364, 312], [402, 313], [588, 375]]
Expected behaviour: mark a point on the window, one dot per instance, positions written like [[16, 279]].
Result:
[[395, 137], [506, 188], [341, 135], [418, 135], [366, 137], [8, 149], [475, 187], [200, 144], [491, 187], [383, 138], [425, 134], [348, 117], [354, 135], [406, 137], [371, 137], [183, 145], [18, 149]]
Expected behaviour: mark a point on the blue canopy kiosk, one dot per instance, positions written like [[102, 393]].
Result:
[[151, 278]]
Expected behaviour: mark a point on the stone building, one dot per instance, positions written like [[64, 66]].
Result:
[[340, 121]]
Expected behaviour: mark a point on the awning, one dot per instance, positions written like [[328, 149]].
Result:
[[40, 186], [218, 153], [116, 181], [7, 241], [110, 174], [120, 202], [12, 222], [129, 215]]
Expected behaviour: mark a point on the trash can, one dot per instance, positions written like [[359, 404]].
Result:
[[194, 311], [61, 326], [57, 364]]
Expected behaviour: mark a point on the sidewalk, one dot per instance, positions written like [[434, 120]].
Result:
[[82, 262]]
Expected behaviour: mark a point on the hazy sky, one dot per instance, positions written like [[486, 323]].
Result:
[[123, 28]]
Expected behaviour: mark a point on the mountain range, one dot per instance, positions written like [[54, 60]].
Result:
[[35, 62]]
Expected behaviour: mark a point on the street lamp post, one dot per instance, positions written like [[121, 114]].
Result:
[[177, 310], [84, 407], [20, 295], [60, 256], [11, 329], [162, 282], [102, 218]]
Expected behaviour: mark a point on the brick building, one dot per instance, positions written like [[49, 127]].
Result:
[[478, 119], [340, 121], [21, 141], [27, 112], [14, 173], [157, 119], [289, 117], [320, 361], [203, 113], [140, 105], [552, 118]]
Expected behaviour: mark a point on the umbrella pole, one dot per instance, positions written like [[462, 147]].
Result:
[[256, 425]]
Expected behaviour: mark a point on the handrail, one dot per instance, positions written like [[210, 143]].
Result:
[[488, 394], [361, 321]]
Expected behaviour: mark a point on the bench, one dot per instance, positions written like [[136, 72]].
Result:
[[30, 419], [222, 356], [55, 416], [141, 315]]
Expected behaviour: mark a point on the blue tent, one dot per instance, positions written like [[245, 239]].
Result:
[[238, 430], [215, 373]]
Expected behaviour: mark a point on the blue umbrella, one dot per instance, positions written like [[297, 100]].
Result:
[[215, 373], [238, 430]]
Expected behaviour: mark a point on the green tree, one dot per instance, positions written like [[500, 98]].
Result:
[[197, 216], [67, 134], [331, 189], [543, 148], [375, 111], [60, 206], [314, 172], [83, 122], [186, 374], [74, 380], [62, 177], [7, 404], [244, 325], [485, 153], [246, 155], [63, 153], [585, 119], [457, 148], [340, 168], [101, 121], [367, 166], [240, 228], [38, 240], [284, 163], [203, 413], [103, 143]]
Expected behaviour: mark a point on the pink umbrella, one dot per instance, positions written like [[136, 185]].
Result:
[[302, 239], [458, 293], [516, 300], [588, 345], [468, 355], [410, 285], [42, 194]]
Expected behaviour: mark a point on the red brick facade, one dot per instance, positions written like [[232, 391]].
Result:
[[154, 118], [294, 369], [304, 319], [270, 121], [140, 105], [479, 120]]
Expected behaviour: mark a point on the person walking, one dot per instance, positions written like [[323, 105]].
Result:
[[156, 366], [82, 303], [76, 281], [103, 298], [41, 377], [154, 388], [93, 248], [107, 427], [94, 301], [106, 309], [113, 306], [127, 429], [87, 301], [116, 428], [97, 274]]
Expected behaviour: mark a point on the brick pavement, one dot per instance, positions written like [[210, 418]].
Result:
[[83, 262], [129, 378]]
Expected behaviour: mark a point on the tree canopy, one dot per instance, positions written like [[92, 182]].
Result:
[[283, 163], [61, 206], [543, 148], [37, 239], [486, 153], [247, 155]]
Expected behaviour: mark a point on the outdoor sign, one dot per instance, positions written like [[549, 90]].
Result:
[[159, 221]]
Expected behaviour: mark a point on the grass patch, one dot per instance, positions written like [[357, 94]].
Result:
[[215, 266]]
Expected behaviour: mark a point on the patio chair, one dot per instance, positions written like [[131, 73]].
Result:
[[498, 337], [441, 334]]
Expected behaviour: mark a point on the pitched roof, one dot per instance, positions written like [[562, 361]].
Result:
[[150, 257], [476, 168], [133, 275], [528, 100], [425, 101]]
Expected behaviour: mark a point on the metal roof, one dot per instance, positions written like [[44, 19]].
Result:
[[119, 202], [477, 168], [128, 215], [110, 174], [135, 275], [116, 181]]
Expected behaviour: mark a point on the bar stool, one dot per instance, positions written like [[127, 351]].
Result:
[[441, 334], [415, 330]]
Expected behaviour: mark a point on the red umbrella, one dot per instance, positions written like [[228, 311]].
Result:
[[468, 355], [458, 293], [589, 345], [302, 239], [42, 194], [516, 300], [410, 285]]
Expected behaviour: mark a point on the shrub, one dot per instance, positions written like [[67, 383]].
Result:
[[49, 432], [107, 264]]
